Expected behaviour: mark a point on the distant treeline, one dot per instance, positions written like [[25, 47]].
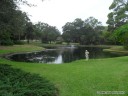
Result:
[[15, 26]]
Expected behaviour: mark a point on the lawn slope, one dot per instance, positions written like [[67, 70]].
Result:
[[82, 78]]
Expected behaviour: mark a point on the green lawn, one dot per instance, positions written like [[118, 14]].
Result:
[[19, 48], [82, 78], [117, 49]]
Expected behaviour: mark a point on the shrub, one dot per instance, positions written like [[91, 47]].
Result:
[[59, 42], [126, 47], [6, 42], [15, 82], [18, 42]]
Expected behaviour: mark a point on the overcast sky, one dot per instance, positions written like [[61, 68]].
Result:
[[58, 12]]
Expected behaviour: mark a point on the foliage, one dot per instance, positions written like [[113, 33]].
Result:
[[6, 42], [29, 31], [18, 42], [12, 21], [5, 38], [108, 38], [47, 33], [15, 82], [59, 40], [19, 23], [6, 13], [119, 15], [83, 32], [15, 24], [121, 34], [117, 18]]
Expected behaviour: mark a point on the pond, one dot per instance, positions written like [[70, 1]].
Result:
[[61, 55]]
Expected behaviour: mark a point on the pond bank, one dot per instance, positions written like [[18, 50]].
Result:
[[59, 54], [19, 49], [116, 50], [39, 47]]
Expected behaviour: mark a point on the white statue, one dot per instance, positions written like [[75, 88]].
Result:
[[86, 55]]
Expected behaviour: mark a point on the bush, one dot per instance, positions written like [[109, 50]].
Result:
[[18, 42], [59, 42], [6, 42], [126, 47], [14, 82]]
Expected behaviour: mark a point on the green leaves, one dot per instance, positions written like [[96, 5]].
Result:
[[12, 22], [47, 33], [14, 82], [83, 32], [119, 15], [117, 20], [113, 5], [121, 34]]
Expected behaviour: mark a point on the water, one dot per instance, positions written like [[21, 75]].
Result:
[[62, 55]]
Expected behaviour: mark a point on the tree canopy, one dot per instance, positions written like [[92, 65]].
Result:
[[118, 15], [47, 33], [15, 25], [12, 21], [117, 21], [83, 32], [121, 35]]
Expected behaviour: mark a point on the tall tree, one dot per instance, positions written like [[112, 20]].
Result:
[[92, 22], [7, 9], [121, 35], [96, 27], [119, 14], [67, 32], [84, 32], [12, 21], [29, 31], [19, 22], [47, 33]]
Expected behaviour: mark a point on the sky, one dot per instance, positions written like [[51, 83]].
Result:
[[59, 12]]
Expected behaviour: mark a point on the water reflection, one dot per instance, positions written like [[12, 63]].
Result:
[[62, 55], [58, 60]]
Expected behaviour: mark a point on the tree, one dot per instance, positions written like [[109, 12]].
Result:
[[121, 35], [37, 32], [59, 40], [7, 8], [95, 29], [67, 32], [119, 15], [47, 33], [91, 21], [19, 22], [53, 33], [117, 18], [79, 25], [29, 31], [83, 32], [12, 21], [73, 30]]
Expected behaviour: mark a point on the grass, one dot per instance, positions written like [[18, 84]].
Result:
[[117, 49], [82, 78], [19, 48]]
